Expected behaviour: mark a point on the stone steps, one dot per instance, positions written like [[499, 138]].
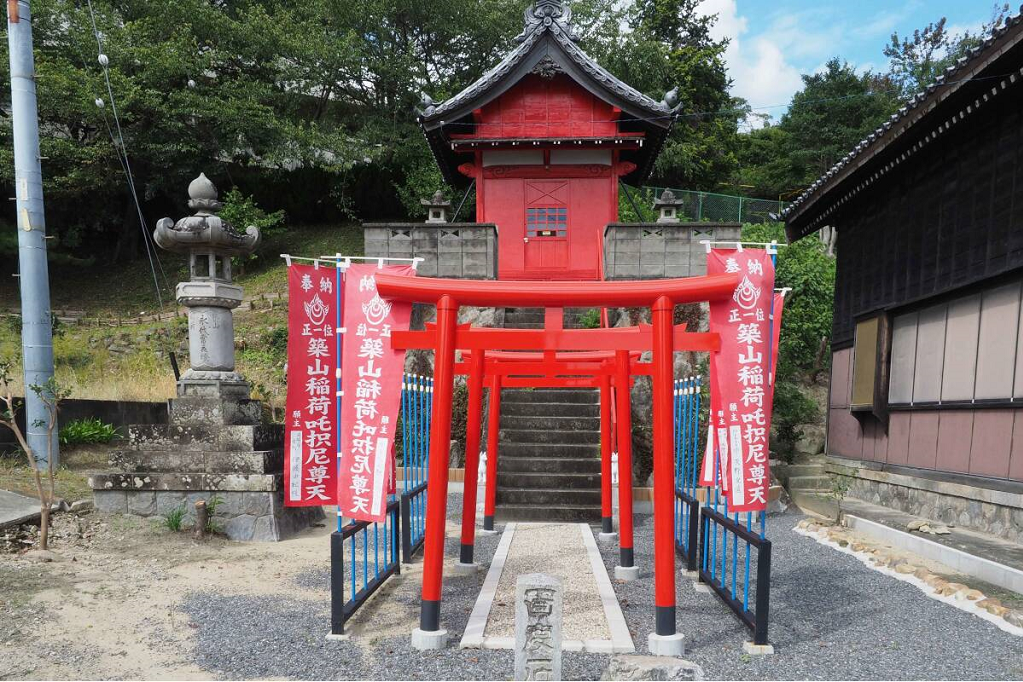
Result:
[[563, 512], [543, 450], [554, 480], [516, 409], [219, 438], [546, 465], [199, 461], [538, 396], [548, 423], [552, 437], [808, 483], [550, 455]]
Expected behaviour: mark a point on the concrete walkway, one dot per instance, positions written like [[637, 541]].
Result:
[[16, 509], [593, 620]]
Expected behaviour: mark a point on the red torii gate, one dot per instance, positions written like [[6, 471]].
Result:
[[448, 295]]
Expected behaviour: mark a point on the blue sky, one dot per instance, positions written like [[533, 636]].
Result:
[[774, 41]]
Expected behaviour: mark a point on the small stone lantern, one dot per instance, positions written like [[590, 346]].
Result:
[[437, 208], [668, 206], [209, 295]]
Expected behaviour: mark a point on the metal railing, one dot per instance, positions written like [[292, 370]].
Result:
[[720, 569], [372, 558], [363, 554], [416, 410], [687, 439]]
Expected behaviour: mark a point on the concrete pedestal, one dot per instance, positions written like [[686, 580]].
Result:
[[666, 645], [465, 569], [214, 449], [428, 640], [757, 649], [626, 573]]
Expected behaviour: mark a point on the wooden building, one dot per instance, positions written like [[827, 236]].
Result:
[[927, 345]]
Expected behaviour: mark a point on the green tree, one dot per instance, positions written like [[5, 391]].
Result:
[[669, 45], [915, 61]]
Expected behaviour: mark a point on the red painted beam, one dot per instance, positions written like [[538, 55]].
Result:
[[632, 339], [526, 294]]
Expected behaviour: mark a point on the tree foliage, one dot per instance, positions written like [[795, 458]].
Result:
[[915, 61], [309, 107]]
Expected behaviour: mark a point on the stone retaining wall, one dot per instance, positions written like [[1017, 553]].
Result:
[[987, 510], [459, 250], [243, 516]]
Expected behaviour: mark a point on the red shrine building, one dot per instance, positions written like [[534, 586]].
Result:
[[546, 136]]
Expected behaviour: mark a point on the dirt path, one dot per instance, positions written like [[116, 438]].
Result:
[[108, 607]]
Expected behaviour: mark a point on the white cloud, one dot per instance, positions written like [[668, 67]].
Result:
[[758, 67]]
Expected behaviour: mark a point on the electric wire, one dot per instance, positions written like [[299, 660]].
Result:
[[122, 151]]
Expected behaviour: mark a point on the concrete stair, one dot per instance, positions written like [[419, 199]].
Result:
[[808, 486], [549, 462]]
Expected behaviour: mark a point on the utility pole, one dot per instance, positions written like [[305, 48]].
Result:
[[36, 325]]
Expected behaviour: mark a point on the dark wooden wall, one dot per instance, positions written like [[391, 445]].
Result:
[[949, 217]]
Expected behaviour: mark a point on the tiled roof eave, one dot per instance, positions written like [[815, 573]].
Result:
[[898, 126]]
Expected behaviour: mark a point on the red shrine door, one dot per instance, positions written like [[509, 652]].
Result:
[[545, 241], [549, 228]]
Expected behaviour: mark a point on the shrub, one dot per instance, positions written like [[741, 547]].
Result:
[[791, 409], [590, 319], [86, 432], [241, 211]]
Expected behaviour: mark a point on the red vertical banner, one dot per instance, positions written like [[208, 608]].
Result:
[[740, 372], [311, 409], [371, 374]]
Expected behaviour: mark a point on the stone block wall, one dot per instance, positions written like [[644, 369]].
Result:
[[660, 250], [458, 250], [988, 510]]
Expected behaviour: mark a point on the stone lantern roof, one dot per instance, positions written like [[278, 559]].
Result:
[[205, 231]]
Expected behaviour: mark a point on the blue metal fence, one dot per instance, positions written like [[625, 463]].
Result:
[[416, 410], [687, 439], [363, 555]]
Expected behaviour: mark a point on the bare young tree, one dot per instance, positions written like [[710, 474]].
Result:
[[51, 394]]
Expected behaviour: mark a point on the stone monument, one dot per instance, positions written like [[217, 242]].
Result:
[[215, 448], [538, 609]]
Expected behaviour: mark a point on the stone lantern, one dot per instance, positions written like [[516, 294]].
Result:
[[215, 445], [437, 208], [668, 206], [209, 295]]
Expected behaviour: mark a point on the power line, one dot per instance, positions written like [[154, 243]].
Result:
[[122, 153]]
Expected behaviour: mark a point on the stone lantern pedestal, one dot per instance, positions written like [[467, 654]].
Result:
[[215, 446]]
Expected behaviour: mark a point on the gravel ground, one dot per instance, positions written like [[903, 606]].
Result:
[[245, 637], [832, 617]]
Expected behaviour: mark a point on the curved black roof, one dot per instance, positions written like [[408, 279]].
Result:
[[547, 45]]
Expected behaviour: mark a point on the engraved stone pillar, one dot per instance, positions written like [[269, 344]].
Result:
[[538, 609], [209, 294]]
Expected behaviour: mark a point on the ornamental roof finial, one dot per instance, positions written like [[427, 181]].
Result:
[[548, 14]]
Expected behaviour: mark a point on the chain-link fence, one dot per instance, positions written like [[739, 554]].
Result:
[[708, 206]]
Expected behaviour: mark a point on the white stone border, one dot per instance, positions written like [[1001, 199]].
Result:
[[961, 604], [993, 572], [621, 640], [473, 637]]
